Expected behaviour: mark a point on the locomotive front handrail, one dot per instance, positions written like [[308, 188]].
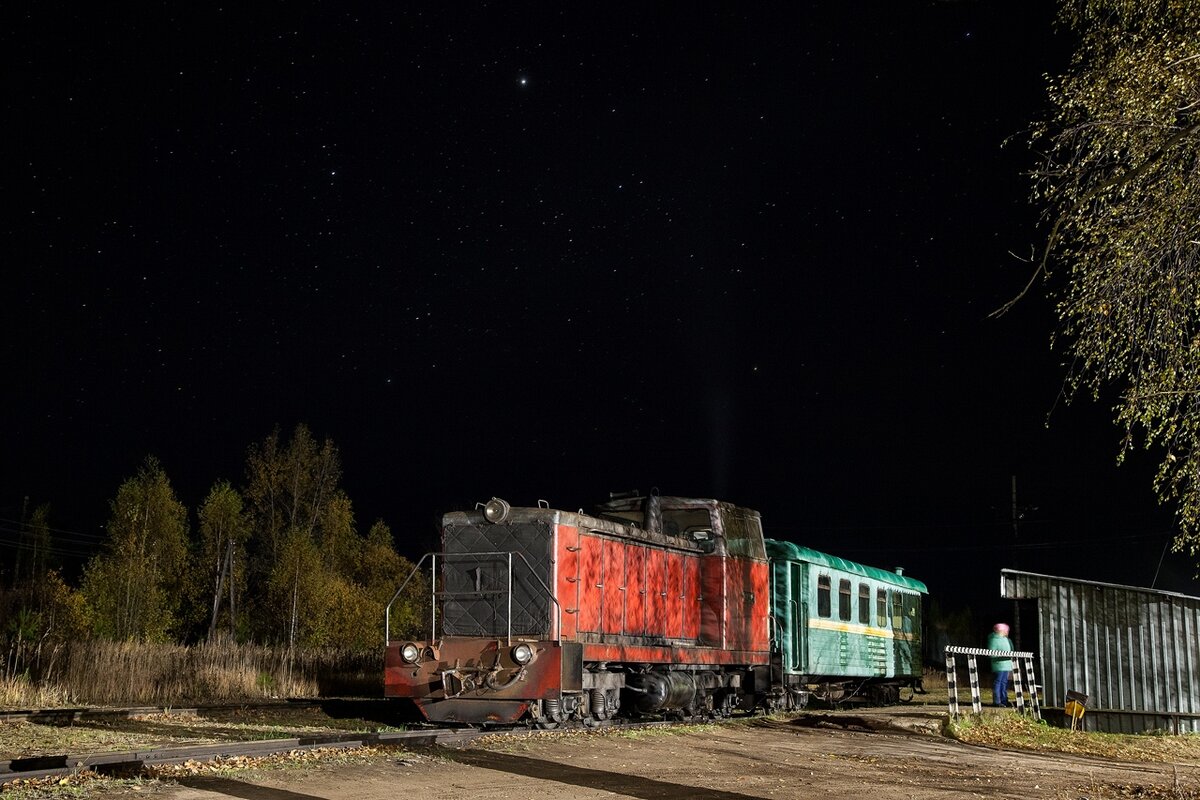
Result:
[[387, 611], [387, 614]]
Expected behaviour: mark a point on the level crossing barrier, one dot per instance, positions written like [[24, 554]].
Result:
[[1025, 683]]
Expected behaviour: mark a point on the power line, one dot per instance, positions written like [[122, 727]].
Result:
[[51, 528]]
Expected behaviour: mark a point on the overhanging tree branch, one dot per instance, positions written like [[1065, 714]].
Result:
[[1113, 183]]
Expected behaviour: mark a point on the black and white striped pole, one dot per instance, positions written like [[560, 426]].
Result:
[[1023, 676]]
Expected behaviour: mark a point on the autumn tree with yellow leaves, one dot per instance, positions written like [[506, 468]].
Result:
[[1119, 180]]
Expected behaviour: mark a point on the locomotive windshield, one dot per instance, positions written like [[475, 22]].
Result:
[[743, 533]]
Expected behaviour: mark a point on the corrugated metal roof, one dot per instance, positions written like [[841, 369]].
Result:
[[794, 552], [1134, 651]]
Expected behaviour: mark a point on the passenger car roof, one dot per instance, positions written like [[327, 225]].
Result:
[[787, 551]]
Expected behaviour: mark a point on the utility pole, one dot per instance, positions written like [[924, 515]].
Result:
[[1016, 608], [1015, 517]]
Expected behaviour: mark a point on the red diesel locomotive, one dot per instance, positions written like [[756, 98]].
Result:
[[654, 604]]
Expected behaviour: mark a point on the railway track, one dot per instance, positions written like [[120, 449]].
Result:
[[67, 716], [134, 761], [126, 763]]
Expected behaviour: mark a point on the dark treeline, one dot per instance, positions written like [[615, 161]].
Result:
[[278, 561]]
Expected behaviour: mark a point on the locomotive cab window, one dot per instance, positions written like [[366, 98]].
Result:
[[881, 618], [743, 534], [824, 589], [864, 604], [686, 521], [844, 600]]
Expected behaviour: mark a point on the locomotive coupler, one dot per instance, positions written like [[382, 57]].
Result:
[[490, 679], [455, 682]]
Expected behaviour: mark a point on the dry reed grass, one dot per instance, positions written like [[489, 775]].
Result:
[[129, 673], [20, 692]]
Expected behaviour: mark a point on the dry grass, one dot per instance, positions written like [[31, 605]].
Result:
[[934, 683], [1011, 731], [127, 673], [20, 692]]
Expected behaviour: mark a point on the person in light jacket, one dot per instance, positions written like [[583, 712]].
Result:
[[1001, 667]]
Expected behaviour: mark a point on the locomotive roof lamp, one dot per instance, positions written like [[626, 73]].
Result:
[[496, 510]]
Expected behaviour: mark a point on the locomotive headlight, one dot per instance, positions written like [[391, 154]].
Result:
[[522, 654], [410, 653], [496, 510]]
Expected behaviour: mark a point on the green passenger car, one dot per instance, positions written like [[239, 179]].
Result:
[[843, 631]]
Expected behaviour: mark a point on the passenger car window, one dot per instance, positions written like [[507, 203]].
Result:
[[824, 589], [881, 608], [864, 604], [844, 600]]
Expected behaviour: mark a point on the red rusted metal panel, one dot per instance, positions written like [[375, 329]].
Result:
[[712, 603], [566, 569], [747, 604], [674, 601], [759, 579], [736, 627], [635, 590], [656, 592], [591, 597], [613, 580], [690, 601]]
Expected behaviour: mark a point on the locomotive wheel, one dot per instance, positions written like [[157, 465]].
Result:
[[885, 694], [723, 709], [906, 694], [549, 715], [603, 706]]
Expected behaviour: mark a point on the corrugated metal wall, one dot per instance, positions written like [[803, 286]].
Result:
[[1135, 652]]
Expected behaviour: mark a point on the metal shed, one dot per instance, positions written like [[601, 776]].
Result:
[[1135, 652]]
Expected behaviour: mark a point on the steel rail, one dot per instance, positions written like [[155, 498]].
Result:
[[59, 716]]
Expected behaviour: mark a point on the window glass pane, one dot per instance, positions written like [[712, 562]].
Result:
[[881, 608], [864, 604], [844, 600], [743, 534], [823, 592], [897, 612]]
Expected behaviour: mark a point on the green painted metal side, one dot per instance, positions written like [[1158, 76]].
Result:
[[829, 647]]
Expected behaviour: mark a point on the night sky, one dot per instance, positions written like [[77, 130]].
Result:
[[545, 251]]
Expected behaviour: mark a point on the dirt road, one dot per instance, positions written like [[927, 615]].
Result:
[[761, 759]]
